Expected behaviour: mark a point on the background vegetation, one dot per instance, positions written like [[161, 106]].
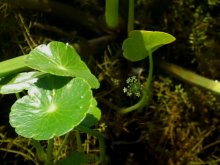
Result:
[[182, 122]]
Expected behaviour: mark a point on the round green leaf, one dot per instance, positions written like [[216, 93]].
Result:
[[140, 43], [54, 106], [60, 59]]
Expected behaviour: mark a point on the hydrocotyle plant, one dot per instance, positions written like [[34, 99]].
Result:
[[139, 45], [59, 96]]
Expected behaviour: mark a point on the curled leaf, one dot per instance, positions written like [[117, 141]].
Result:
[[140, 43]]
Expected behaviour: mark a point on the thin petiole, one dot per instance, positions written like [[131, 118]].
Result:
[[131, 16], [145, 98]]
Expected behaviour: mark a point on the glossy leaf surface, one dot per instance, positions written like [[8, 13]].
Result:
[[19, 82], [140, 43], [60, 59], [53, 107]]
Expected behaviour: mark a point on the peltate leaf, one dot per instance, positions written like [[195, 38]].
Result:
[[140, 43], [60, 59], [53, 107]]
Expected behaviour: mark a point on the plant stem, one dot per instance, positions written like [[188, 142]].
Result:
[[13, 66], [190, 77], [39, 149], [98, 136], [49, 152], [78, 141], [131, 16], [61, 147], [145, 98], [150, 74], [111, 13]]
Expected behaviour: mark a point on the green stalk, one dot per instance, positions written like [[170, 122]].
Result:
[[39, 149], [145, 98], [13, 65], [99, 137], [131, 16], [111, 13], [49, 152], [150, 74], [61, 147], [190, 77], [78, 141]]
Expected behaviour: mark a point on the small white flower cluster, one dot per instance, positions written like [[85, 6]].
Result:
[[134, 87]]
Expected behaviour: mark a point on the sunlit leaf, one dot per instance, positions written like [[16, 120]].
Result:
[[60, 59], [19, 82]]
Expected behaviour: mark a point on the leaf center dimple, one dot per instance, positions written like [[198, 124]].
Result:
[[52, 108]]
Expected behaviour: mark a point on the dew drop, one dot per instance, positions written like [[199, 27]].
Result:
[[81, 97]]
